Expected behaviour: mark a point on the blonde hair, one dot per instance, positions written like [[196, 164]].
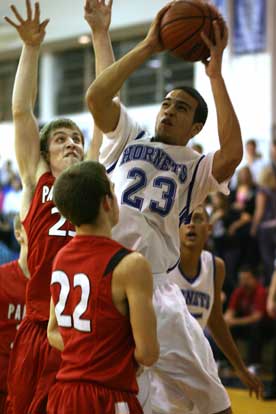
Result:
[[268, 178]]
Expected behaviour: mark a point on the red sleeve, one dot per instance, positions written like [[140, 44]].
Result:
[[234, 298], [260, 299]]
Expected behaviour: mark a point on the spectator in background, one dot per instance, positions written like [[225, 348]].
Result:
[[7, 173], [231, 235], [264, 220], [246, 315], [253, 159], [12, 200]]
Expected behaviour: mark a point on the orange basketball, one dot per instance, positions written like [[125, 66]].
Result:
[[182, 24]]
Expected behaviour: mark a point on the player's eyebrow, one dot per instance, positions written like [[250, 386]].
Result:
[[179, 101]]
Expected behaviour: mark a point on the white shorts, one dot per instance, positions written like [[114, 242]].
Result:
[[185, 377]]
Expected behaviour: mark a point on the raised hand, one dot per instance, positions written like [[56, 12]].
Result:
[[97, 13], [30, 30], [153, 36], [213, 65]]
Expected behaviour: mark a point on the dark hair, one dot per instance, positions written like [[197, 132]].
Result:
[[249, 268], [46, 130], [251, 141], [201, 111], [79, 190]]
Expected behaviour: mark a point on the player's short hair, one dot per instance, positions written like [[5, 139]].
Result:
[[205, 212], [79, 190], [201, 111], [48, 128]]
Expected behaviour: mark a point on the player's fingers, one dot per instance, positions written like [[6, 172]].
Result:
[[206, 40], [29, 10], [110, 3], [8, 20], [218, 36], [43, 25], [37, 12], [16, 13], [161, 12]]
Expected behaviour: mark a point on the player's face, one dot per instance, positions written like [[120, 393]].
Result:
[[174, 123], [246, 280], [195, 234], [65, 149]]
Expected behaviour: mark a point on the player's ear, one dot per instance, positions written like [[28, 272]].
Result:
[[196, 128], [107, 203]]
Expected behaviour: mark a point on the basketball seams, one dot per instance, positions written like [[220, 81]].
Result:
[[181, 26], [189, 38]]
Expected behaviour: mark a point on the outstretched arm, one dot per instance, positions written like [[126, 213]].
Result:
[[101, 92], [27, 148], [228, 157], [98, 16], [223, 338]]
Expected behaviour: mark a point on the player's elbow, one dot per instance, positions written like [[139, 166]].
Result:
[[147, 355], [94, 98]]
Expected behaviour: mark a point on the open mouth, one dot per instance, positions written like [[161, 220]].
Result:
[[69, 154], [191, 235], [166, 121]]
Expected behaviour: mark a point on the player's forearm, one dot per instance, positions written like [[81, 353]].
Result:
[[224, 340], [231, 149], [108, 83], [25, 85], [104, 55]]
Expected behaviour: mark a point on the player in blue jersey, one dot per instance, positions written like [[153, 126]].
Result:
[[159, 181], [200, 276]]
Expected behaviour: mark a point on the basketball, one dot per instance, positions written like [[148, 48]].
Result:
[[182, 24]]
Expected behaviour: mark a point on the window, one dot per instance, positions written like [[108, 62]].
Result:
[[74, 71], [7, 75]]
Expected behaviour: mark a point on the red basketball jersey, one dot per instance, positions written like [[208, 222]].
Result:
[[12, 308], [47, 232], [98, 341]]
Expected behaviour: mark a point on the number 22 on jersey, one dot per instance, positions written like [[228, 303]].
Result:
[[82, 281]]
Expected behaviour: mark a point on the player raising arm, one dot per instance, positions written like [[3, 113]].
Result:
[[41, 156], [159, 181]]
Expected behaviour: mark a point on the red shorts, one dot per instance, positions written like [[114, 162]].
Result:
[[82, 397], [3, 397], [32, 370]]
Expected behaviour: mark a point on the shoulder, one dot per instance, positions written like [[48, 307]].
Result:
[[134, 268]]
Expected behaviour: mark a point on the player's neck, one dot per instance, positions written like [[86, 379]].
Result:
[[91, 230], [22, 261], [189, 259]]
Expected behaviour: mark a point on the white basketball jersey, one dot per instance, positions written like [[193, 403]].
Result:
[[199, 291], [157, 187]]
